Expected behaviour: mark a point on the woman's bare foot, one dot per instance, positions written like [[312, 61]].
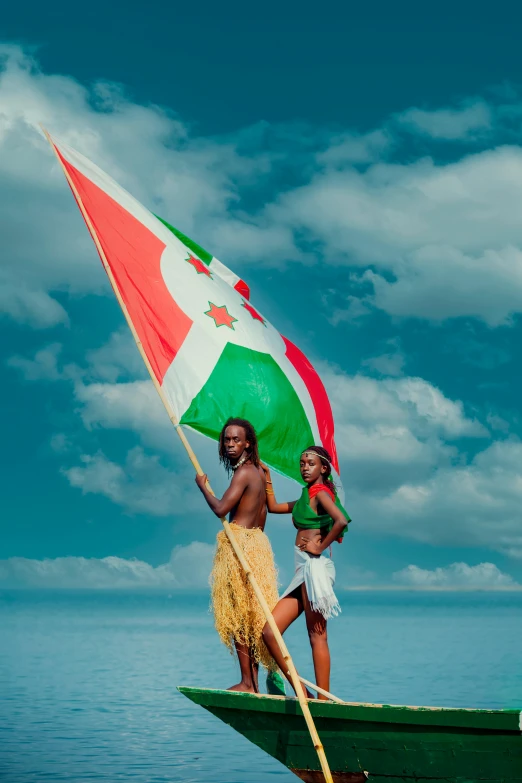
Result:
[[306, 692]]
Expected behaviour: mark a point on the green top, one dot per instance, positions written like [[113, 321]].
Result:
[[305, 518]]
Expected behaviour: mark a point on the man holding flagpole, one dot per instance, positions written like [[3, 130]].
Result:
[[195, 328], [238, 616]]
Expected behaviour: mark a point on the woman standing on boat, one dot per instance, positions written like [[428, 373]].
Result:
[[320, 520]]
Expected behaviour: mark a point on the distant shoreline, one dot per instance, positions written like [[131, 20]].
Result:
[[199, 593], [432, 589]]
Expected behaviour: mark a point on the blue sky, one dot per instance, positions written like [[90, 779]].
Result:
[[363, 172]]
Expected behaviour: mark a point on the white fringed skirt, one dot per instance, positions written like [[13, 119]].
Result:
[[318, 575]]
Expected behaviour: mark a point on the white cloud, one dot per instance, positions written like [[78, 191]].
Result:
[[253, 239], [431, 240], [390, 363], [132, 405], [475, 503], [488, 285], [354, 148], [460, 575], [126, 406], [353, 311], [434, 409], [428, 240], [450, 124], [391, 431], [188, 568], [60, 443], [47, 249], [142, 485], [436, 241], [395, 437], [117, 358], [497, 423], [43, 367], [403, 476], [34, 308]]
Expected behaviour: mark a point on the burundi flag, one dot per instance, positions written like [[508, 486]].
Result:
[[212, 352]]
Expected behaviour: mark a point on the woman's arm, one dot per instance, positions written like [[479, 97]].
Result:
[[339, 524], [273, 506]]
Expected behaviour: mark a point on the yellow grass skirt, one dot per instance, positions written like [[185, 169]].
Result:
[[237, 614]]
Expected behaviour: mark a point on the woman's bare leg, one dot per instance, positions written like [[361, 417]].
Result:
[[316, 627], [287, 610]]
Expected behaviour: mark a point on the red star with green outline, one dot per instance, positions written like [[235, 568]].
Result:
[[199, 266], [220, 315], [253, 312]]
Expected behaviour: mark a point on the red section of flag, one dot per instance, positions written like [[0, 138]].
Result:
[[253, 312], [199, 266], [133, 253], [242, 288], [220, 315], [319, 397]]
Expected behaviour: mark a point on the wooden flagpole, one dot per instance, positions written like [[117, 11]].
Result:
[[295, 679]]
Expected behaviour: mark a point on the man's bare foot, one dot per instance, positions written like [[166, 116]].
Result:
[[242, 688]]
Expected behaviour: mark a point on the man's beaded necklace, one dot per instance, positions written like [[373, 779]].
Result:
[[241, 462]]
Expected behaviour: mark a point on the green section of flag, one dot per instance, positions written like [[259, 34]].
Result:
[[197, 249], [251, 385]]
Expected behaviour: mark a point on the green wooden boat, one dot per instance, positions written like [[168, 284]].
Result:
[[376, 741]]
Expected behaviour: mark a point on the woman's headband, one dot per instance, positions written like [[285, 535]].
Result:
[[311, 451]]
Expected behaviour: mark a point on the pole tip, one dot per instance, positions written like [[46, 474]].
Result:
[[45, 132]]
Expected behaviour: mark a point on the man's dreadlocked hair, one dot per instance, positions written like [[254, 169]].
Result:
[[326, 460], [251, 437]]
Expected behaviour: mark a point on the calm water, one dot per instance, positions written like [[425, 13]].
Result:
[[88, 682]]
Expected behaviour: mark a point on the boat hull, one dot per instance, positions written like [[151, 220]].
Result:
[[369, 741]]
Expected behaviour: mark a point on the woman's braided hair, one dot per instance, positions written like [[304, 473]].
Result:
[[326, 460], [250, 436]]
